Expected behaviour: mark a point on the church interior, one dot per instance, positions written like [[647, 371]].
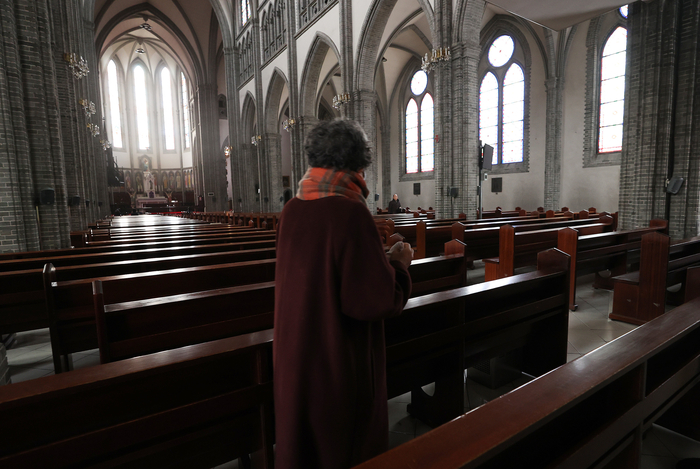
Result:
[[546, 159]]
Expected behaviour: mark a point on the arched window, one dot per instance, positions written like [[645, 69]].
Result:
[[419, 126], [502, 103], [612, 92], [185, 108], [245, 11], [141, 97], [114, 106], [166, 91]]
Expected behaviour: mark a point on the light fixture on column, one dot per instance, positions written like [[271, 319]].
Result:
[[227, 151], [79, 67], [255, 139], [437, 56], [94, 129], [341, 100], [88, 107], [289, 124], [106, 144]]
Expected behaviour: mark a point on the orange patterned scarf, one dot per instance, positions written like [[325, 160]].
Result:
[[318, 183]]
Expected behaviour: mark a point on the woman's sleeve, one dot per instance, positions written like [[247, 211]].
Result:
[[371, 288]]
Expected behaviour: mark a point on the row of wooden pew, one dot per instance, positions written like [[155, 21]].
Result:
[[437, 337]]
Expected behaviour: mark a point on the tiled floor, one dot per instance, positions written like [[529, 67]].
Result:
[[589, 328]]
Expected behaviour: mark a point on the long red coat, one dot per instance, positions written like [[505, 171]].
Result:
[[334, 286]]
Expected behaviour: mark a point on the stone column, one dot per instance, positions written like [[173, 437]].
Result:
[[552, 168], [365, 103], [661, 120], [213, 161]]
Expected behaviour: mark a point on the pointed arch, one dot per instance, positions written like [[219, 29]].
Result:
[[376, 20], [312, 70], [248, 117], [272, 102]]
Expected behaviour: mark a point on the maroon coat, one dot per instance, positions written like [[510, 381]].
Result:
[[334, 286]]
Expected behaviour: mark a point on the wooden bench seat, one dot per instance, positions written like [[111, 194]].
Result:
[[639, 297], [22, 303], [519, 249], [70, 303], [195, 407], [441, 334], [590, 413], [612, 251]]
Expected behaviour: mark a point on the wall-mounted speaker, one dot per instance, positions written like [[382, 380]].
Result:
[[73, 201], [376, 197], [99, 204], [87, 203], [496, 184], [47, 196], [674, 185], [454, 192], [416, 188]]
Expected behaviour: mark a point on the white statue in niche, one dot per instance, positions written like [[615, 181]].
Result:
[[148, 181]]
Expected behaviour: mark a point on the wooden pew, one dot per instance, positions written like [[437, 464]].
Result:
[[520, 249], [71, 309], [197, 406], [641, 296], [595, 253], [436, 337], [589, 413], [484, 243], [70, 306], [22, 303], [441, 334], [132, 328]]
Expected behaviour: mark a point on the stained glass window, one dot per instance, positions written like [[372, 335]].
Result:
[[245, 11], [114, 107], [141, 97], [502, 104], [488, 113], [419, 82], [185, 109], [420, 126], [166, 89], [501, 51], [612, 92], [513, 114], [624, 10], [412, 137], [427, 142]]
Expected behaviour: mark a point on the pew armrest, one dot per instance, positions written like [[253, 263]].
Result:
[[631, 279]]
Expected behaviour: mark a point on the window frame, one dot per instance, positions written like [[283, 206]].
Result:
[[186, 113], [150, 102], [406, 94], [521, 56], [599, 31], [108, 102], [161, 109], [249, 11]]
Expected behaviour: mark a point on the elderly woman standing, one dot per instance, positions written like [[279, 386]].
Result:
[[334, 286]]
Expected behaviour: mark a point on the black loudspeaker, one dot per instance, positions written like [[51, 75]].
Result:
[[376, 197], [488, 157], [416, 188], [99, 204], [496, 185], [454, 192], [47, 196], [266, 199], [257, 188], [73, 201], [674, 185], [87, 203]]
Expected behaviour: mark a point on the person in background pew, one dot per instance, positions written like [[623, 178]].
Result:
[[395, 204], [334, 286]]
